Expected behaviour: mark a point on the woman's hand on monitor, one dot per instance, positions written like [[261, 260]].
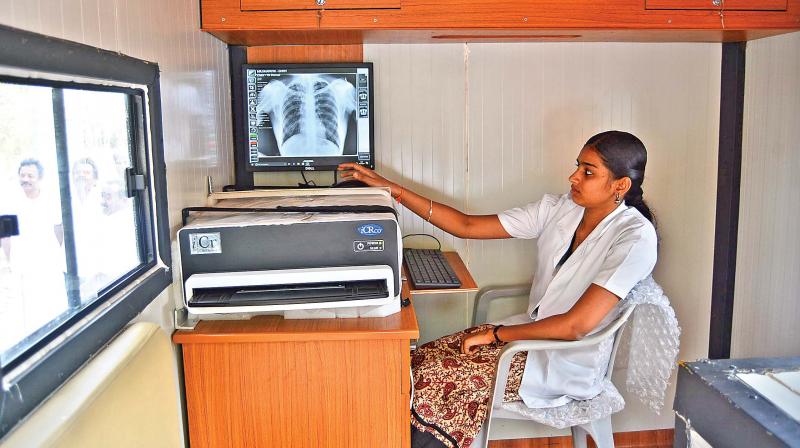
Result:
[[355, 171]]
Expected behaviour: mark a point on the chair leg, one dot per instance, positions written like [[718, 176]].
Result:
[[601, 432], [578, 437], [481, 439]]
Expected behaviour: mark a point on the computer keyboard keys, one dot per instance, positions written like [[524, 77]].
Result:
[[429, 269]]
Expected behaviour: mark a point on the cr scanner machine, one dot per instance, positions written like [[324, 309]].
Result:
[[311, 253]]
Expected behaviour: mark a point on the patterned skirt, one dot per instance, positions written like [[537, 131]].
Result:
[[452, 390]]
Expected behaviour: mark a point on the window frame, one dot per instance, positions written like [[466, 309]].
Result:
[[50, 362]]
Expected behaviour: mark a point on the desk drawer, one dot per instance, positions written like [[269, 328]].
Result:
[[303, 393]]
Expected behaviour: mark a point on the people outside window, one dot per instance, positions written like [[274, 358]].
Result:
[[117, 231], [595, 243], [35, 256], [86, 222]]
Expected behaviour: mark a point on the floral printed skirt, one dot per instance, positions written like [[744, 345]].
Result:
[[452, 390]]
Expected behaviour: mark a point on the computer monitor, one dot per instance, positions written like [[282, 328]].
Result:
[[308, 116]]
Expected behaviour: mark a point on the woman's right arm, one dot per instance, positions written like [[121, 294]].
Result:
[[442, 216]]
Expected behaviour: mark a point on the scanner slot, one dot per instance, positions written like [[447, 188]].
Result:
[[290, 293]]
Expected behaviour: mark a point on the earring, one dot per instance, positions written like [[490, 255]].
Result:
[[616, 198]]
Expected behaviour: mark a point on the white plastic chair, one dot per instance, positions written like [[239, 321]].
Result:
[[600, 430]]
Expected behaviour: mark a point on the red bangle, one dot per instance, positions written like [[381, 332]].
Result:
[[399, 201]]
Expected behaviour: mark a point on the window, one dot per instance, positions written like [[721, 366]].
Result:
[[82, 167], [70, 155]]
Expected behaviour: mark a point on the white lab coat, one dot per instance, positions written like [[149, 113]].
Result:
[[617, 254]]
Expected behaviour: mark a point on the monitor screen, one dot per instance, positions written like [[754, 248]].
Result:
[[308, 116]]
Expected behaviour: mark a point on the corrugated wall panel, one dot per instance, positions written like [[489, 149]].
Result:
[[766, 309]]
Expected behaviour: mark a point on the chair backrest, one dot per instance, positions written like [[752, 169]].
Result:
[[486, 295], [622, 319]]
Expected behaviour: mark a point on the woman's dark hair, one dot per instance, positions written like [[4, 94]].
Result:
[[625, 156]]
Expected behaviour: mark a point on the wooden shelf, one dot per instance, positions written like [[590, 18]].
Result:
[[467, 282]]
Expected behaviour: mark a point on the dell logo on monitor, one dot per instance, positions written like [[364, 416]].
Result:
[[370, 229]]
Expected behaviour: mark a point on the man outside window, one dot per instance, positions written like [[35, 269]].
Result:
[[35, 256], [87, 217]]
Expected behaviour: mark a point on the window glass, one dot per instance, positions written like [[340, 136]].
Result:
[[63, 154], [32, 264], [103, 219]]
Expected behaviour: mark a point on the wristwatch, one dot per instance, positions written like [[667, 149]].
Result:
[[494, 332]]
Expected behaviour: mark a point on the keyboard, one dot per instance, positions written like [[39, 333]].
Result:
[[429, 269]]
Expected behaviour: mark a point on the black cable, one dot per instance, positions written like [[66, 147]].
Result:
[[424, 234], [306, 182]]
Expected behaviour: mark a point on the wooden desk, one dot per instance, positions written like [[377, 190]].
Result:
[[271, 382]]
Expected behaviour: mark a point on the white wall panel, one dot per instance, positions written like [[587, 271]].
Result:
[[419, 122], [526, 109], [766, 309]]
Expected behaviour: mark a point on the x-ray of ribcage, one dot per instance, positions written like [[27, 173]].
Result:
[[309, 113]]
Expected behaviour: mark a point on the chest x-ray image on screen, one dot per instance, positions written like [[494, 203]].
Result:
[[302, 117], [310, 114]]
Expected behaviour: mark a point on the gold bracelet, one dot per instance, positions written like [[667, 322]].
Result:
[[430, 211]]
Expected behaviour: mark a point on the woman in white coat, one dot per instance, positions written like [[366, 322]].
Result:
[[595, 244]]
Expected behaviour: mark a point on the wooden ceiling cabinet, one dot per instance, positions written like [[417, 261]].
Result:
[[720, 5], [289, 5], [309, 22]]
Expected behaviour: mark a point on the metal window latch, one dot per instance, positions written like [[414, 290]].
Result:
[[9, 226], [133, 182]]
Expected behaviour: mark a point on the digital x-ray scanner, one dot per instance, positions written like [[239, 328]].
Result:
[[302, 253]]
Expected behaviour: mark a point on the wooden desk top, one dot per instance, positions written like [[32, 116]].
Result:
[[467, 282], [402, 325]]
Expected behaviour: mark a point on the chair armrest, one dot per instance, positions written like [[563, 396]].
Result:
[[514, 347], [490, 293], [510, 349], [555, 344]]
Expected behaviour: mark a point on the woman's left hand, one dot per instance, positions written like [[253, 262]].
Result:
[[471, 342]]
